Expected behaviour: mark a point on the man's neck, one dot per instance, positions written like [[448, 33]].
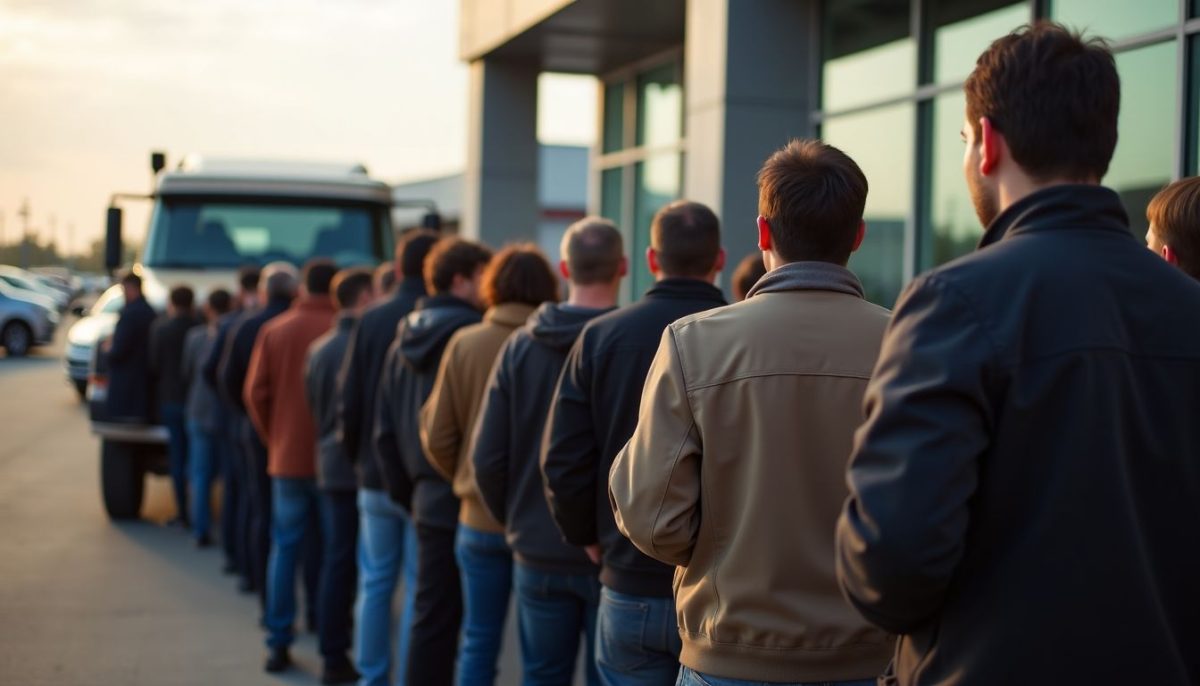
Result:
[[596, 296], [1018, 187]]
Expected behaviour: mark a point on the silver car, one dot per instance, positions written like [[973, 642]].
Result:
[[26, 320]]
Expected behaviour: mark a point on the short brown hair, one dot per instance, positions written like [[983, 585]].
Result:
[[593, 249], [812, 196], [686, 236], [519, 274], [414, 247], [450, 257], [748, 272], [1174, 214], [318, 274], [348, 285], [182, 297], [1054, 95]]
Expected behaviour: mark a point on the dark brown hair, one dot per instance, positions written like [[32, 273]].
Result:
[[748, 272], [1054, 95], [519, 274], [220, 301], [318, 274], [248, 278], [1174, 214], [812, 195], [182, 298], [348, 285], [593, 250], [687, 237], [414, 247], [451, 256]]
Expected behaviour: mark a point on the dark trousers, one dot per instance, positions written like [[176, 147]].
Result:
[[437, 611], [258, 507], [172, 417], [339, 573], [232, 531]]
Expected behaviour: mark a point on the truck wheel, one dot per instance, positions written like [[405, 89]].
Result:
[[80, 388], [121, 480], [16, 338]]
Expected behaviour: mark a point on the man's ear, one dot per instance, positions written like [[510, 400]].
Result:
[[1169, 254], [720, 263], [993, 147], [858, 237], [652, 261], [764, 234], [564, 270], [624, 268]]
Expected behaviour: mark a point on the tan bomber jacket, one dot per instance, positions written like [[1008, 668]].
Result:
[[736, 474]]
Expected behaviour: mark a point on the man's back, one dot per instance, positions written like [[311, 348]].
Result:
[[325, 355], [167, 337], [1030, 457], [129, 390]]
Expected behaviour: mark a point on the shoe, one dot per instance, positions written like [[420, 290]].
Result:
[[203, 541], [339, 671], [245, 585], [278, 661], [179, 523], [229, 569]]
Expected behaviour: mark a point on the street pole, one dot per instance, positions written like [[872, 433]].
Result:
[[23, 213], [70, 249]]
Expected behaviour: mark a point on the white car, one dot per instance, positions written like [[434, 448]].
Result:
[[26, 320], [22, 280], [93, 325]]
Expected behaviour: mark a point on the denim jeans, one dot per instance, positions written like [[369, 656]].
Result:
[[177, 454], [201, 452], [233, 527], [689, 677], [554, 611], [485, 564], [339, 571], [637, 640], [293, 527], [387, 544]]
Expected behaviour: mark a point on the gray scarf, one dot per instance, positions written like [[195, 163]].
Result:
[[808, 276]]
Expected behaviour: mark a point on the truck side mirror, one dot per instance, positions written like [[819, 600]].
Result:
[[158, 161], [112, 239], [432, 220]]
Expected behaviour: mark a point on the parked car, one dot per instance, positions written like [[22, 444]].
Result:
[[94, 324], [26, 320], [22, 280]]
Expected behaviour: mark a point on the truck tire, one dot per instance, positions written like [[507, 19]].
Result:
[[17, 339], [121, 480]]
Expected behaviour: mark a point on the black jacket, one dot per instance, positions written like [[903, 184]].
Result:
[[594, 413], [335, 471], [129, 383], [405, 385], [508, 437], [235, 360], [1026, 490], [167, 336], [361, 370]]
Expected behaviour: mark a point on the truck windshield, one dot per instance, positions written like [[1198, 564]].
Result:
[[198, 233]]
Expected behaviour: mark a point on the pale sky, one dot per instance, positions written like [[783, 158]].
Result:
[[89, 87]]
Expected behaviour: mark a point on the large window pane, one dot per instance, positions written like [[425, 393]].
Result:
[[614, 116], [1193, 112], [881, 142], [869, 52], [658, 182], [659, 106], [1145, 153], [965, 28], [611, 205], [953, 229], [1116, 19]]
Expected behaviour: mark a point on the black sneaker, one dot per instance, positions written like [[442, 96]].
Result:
[[229, 569], [278, 661], [339, 671], [203, 541]]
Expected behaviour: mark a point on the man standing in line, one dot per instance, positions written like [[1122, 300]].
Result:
[[453, 271], [558, 591], [1174, 215], [1023, 495], [594, 414], [167, 337], [336, 481], [389, 542], [276, 403], [736, 471], [129, 387]]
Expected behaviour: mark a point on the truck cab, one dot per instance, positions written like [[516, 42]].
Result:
[[210, 218]]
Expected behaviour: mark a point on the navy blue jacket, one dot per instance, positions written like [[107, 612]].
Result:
[[1025, 493], [235, 359], [130, 387]]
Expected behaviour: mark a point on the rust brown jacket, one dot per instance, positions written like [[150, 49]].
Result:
[[448, 417], [274, 391], [736, 474]]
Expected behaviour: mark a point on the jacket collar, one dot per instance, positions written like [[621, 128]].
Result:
[[443, 300], [411, 286], [809, 276], [509, 314], [313, 303], [278, 304], [685, 289], [346, 321], [1067, 206]]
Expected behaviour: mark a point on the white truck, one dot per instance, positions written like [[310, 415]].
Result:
[[210, 218]]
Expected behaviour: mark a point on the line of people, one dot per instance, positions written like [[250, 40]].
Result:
[[686, 489]]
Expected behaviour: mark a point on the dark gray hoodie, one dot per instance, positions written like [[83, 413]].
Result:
[[509, 435]]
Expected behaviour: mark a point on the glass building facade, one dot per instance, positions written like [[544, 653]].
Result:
[[889, 93]]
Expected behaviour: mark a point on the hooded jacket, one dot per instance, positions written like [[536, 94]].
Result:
[[335, 471], [736, 474], [1026, 487], [358, 382], [448, 418], [509, 436], [594, 413], [407, 380]]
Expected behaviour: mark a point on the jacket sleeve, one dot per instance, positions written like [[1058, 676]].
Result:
[[441, 423], [492, 440], [312, 387], [232, 371], [213, 362], [350, 394], [915, 461], [155, 347], [387, 443], [654, 485], [124, 341], [257, 393], [569, 451]]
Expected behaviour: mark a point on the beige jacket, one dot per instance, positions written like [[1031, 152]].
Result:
[[448, 417], [736, 473]]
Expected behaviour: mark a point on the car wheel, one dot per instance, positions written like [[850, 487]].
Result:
[[17, 339], [80, 388], [122, 479]]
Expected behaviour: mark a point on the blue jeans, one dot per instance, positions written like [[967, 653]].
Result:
[[387, 543], [637, 640], [201, 451], [554, 611], [235, 524], [689, 677], [293, 520], [485, 565], [177, 454]]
